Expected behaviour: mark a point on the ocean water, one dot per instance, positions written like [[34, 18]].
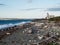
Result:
[[10, 23]]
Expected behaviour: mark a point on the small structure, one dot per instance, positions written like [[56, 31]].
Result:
[[49, 16]]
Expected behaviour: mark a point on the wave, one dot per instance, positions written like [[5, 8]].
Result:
[[11, 24]]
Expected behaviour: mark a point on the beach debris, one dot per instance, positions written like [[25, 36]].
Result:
[[8, 33]]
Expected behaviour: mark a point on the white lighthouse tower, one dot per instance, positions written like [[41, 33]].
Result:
[[49, 16]]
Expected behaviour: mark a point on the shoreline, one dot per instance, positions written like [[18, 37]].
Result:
[[35, 32], [4, 26], [10, 30]]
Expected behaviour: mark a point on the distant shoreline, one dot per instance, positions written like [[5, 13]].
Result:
[[9, 18]]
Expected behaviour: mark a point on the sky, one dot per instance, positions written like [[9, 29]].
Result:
[[29, 8]]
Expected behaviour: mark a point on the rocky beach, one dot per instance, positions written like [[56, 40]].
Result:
[[32, 33]]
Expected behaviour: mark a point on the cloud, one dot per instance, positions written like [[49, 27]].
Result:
[[54, 9], [2, 4], [31, 9], [29, 1]]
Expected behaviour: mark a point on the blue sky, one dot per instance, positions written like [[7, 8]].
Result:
[[28, 8]]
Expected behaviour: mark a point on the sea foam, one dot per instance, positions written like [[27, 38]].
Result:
[[11, 25]]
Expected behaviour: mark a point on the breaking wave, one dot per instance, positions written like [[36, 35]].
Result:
[[11, 25]]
